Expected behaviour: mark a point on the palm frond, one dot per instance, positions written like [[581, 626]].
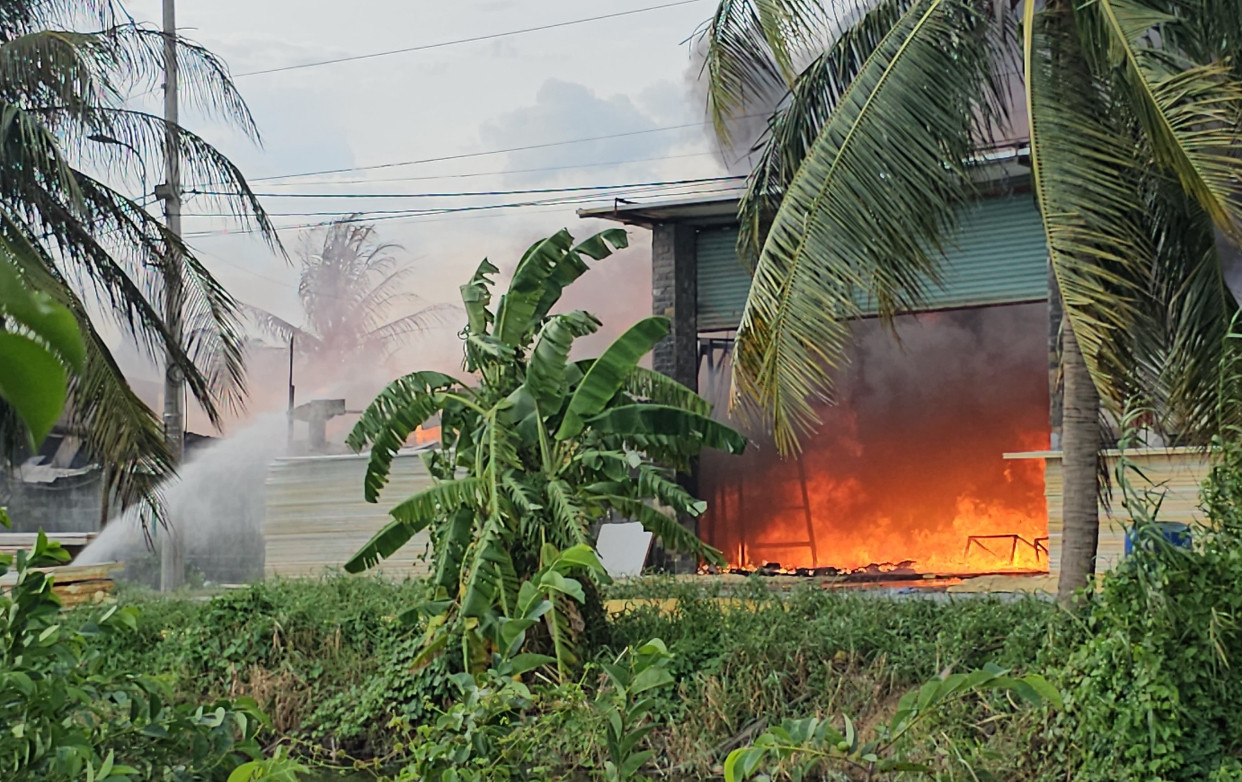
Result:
[[273, 326], [391, 288], [118, 428], [897, 144], [396, 331], [212, 335], [1205, 31], [124, 56], [796, 123], [1084, 171], [751, 51], [130, 298], [1187, 311], [1191, 115], [120, 431]]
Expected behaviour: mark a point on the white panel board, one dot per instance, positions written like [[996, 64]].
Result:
[[317, 518], [623, 548]]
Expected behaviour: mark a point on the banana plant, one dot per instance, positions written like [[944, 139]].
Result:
[[538, 449]]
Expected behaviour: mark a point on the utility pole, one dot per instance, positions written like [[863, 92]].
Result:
[[289, 429], [172, 559]]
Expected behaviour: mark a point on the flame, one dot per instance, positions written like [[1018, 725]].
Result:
[[906, 473], [423, 435]]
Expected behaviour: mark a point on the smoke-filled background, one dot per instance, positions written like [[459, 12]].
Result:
[[482, 117], [910, 464]]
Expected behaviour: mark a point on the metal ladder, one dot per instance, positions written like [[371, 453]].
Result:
[[708, 349]]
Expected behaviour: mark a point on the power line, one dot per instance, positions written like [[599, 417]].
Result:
[[430, 177], [414, 213], [472, 39], [477, 193], [372, 214], [465, 155]]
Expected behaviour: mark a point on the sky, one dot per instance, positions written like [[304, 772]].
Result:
[[634, 75]]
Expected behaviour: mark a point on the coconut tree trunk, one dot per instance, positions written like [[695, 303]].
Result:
[[1080, 442]]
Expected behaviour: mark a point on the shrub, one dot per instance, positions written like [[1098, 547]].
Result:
[[69, 714], [1150, 692]]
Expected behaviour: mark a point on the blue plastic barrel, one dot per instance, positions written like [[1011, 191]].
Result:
[[1173, 532]]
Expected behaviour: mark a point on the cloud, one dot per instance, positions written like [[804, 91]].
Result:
[[624, 128]]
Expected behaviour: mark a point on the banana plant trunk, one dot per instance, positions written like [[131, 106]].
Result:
[[1080, 443]]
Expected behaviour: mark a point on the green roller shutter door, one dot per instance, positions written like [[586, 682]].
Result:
[[723, 281], [999, 257]]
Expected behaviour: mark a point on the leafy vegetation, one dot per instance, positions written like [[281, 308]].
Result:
[[797, 748], [536, 452], [1150, 690], [747, 673], [39, 342], [69, 715], [332, 665]]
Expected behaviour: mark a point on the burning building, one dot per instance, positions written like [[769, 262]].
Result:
[[940, 455]]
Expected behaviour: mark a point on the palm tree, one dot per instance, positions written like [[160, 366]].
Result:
[[355, 297], [1134, 109], [63, 121]]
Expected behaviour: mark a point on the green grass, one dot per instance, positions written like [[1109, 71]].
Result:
[[330, 663]]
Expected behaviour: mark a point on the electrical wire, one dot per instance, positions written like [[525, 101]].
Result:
[[472, 39], [573, 198], [384, 214], [486, 153], [430, 177], [414, 213], [478, 193]]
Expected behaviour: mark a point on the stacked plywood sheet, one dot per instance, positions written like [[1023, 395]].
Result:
[[316, 517], [1174, 473], [75, 584], [73, 542]]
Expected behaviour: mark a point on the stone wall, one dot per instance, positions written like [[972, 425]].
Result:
[[674, 291], [674, 294]]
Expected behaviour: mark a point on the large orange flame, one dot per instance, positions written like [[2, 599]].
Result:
[[907, 471]]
